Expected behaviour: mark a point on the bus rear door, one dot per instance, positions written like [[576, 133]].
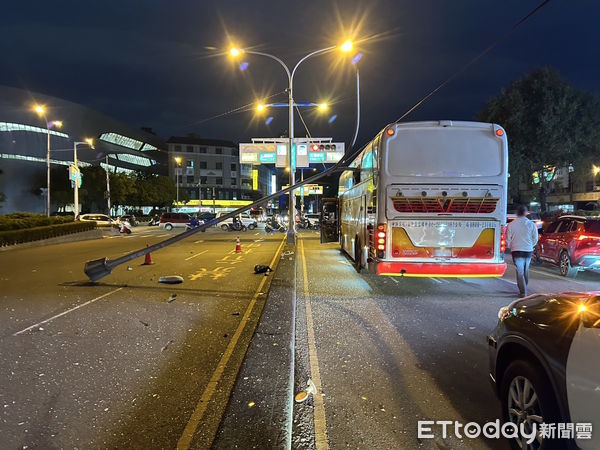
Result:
[[330, 220]]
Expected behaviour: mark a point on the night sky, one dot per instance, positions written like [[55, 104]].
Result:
[[157, 63]]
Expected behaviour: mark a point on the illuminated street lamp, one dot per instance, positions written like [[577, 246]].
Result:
[[323, 107], [261, 107], [90, 143], [177, 170], [40, 110], [236, 52]]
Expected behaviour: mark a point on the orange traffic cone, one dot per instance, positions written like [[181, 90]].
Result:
[[238, 245], [148, 259]]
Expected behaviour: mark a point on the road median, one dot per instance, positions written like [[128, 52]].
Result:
[[259, 413]]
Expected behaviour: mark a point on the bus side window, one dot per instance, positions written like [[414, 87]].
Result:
[[366, 171]]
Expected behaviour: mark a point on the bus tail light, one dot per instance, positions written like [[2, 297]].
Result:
[[503, 239], [380, 240]]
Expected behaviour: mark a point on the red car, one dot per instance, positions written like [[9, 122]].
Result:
[[572, 243]]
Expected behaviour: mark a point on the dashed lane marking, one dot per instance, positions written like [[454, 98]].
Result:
[[197, 254], [190, 429], [66, 312], [319, 409], [199, 241]]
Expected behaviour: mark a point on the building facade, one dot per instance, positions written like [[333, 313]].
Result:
[[118, 147], [205, 169]]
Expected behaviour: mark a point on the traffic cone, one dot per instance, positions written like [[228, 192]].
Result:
[[238, 245], [148, 259]]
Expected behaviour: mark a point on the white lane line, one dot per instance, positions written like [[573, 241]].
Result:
[[197, 254], [162, 235], [66, 312], [256, 234], [319, 406], [508, 281], [190, 429], [199, 241], [436, 280], [394, 280]]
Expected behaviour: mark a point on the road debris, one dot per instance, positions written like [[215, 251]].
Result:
[[171, 279], [167, 345], [172, 298], [302, 396], [144, 323]]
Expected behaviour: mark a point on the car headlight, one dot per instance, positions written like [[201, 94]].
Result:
[[503, 313]]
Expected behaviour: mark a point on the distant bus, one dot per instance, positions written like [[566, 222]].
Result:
[[425, 199]]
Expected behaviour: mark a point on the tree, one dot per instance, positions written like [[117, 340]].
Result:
[[93, 189], [548, 122], [2, 195], [123, 189], [154, 190]]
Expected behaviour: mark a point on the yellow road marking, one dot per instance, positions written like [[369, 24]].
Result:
[[190, 429], [319, 411]]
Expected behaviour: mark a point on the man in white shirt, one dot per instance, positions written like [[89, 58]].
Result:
[[521, 238]]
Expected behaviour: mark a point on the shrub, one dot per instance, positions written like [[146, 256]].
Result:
[[38, 233], [21, 220]]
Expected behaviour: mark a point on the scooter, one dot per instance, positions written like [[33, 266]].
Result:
[[125, 227], [273, 226], [236, 226], [195, 224]]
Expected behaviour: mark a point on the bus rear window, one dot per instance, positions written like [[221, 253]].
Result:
[[445, 153]]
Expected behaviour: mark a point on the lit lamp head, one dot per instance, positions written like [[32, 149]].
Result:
[[323, 107], [178, 160], [57, 123], [596, 170], [260, 107], [235, 52], [346, 46], [90, 142], [40, 110]]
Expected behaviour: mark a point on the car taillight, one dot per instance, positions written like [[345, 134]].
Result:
[[380, 240], [581, 237], [503, 239]]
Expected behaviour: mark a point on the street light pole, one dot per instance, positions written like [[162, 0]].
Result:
[[345, 47], [107, 186], [76, 188]]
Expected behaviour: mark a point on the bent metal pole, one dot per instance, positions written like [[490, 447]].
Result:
[[99, 268]]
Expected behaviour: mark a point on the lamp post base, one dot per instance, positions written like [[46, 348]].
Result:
[[291, 236]]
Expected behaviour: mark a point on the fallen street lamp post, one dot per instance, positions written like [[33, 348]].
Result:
[[99, 268]]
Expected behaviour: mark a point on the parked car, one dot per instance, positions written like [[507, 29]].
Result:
[[168, 221], [545, 366], [100, 219], [537, 219], [572, 243], [244, 218]]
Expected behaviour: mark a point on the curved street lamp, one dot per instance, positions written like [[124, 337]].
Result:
[[236, 52], [40, 110]]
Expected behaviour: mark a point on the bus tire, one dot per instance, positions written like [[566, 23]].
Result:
[[357, 255]]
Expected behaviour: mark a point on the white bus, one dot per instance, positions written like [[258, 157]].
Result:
[[426, 199]]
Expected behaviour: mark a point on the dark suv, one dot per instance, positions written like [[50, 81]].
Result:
[[572, 243]]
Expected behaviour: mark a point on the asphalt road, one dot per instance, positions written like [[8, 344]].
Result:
[[129, 362], [386, 352]]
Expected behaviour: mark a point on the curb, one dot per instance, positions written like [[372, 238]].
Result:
[[259, 412]]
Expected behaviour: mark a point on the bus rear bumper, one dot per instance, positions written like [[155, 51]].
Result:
[[459, 270]]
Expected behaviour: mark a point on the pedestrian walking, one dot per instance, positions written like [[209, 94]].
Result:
[[521, 238]]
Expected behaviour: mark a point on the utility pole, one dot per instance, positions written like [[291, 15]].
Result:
[[107, 186]]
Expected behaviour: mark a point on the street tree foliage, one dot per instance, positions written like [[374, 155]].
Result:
[[548, 123], [92, 193], [2, 195]]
